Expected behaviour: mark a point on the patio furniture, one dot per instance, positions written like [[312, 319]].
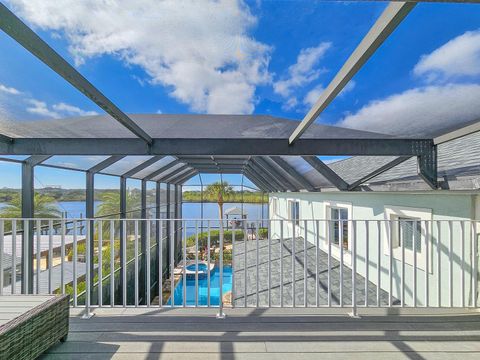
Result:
[[30, 324]]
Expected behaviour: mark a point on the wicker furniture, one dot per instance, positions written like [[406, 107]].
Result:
[[30, 324]]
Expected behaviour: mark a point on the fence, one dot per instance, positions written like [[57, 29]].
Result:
[[284, 263]]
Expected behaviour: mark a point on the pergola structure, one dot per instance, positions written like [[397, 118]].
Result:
[[173, 148]]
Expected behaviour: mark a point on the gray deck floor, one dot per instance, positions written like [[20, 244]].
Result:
[[301, 262], [269, 334]]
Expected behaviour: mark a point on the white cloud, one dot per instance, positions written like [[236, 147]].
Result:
[[419, 111], [290, 104], [67, 110], [458, 57], [38, 107], [55, 111], [9, 90], [349, 87], [304, 71], [312, 96], [200, 50]]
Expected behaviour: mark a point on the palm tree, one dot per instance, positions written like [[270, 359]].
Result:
[[45, 207], [219, 190]]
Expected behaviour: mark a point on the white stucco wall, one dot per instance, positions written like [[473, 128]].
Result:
[[444, 205]]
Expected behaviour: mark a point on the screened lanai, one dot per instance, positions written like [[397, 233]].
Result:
[[276, 154], [349, 123]]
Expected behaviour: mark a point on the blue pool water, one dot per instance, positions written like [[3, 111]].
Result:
[[201, 267], [203, 288]]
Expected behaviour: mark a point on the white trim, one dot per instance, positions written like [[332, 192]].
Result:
[[327, 205], [424, 215], [291, 219]]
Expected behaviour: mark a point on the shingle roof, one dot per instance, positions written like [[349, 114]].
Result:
[[457, 159], [178, 126]]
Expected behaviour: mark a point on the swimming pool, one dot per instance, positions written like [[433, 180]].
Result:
[[201, 267], [203, 288]]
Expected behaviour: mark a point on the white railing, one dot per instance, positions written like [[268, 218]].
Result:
[[265, 263]]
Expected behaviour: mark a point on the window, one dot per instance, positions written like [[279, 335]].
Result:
[[274, 206], [338, 229], [409, 233], [294, 211], [339, 226], [406, 229]]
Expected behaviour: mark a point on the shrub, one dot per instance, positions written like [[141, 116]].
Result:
[[214, 237]]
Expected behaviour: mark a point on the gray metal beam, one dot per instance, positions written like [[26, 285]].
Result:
[[427, 168], [212, 165], [173, 173], [143, 165], [293, 173], [245, 147], [326, 172], [378, 171], [36, 159], [28, 212], [260, 177], [171, 178], [183, 179], [268, 177], [388, 21], [208, 160], [457, 133], [282, 177], [216, 171], [260, 184], [162, 170], [26, 37], [105, 164], [253, 171]]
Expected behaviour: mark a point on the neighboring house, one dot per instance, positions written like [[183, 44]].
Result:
[[7, 268], [399, 195]]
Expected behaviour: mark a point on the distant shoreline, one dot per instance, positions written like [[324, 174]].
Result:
[[62, 195]]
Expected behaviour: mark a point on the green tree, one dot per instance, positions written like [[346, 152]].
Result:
[[44, 207], [219, 190]]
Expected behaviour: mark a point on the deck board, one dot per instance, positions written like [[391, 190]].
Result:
[[269, 334], [12, 306]]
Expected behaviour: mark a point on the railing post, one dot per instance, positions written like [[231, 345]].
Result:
[[123, 240], [221, 314], [143, 245], [88, 259], [354, 313], [90, 212]]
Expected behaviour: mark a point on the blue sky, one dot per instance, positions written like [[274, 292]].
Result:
[[263, 57]]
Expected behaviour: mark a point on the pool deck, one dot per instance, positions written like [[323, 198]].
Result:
[[271, 334]]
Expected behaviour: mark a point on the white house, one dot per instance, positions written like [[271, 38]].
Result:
[[396, 207]]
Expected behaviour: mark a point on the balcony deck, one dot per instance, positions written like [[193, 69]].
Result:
[[300, 333]]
